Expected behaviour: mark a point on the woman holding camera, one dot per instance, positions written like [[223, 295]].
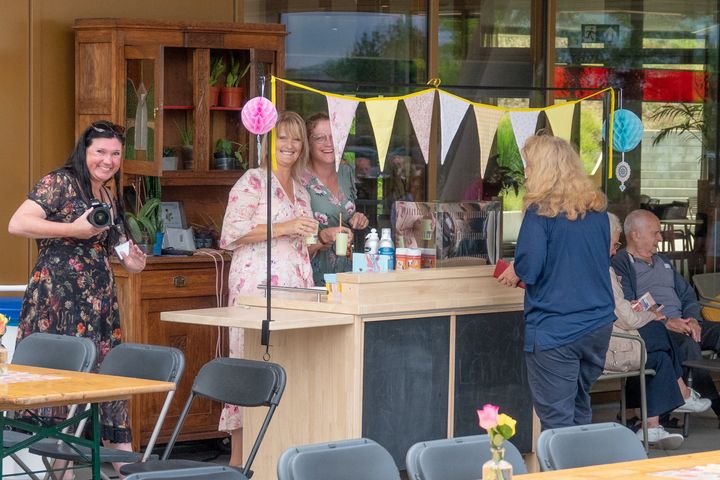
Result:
[[71, 289]]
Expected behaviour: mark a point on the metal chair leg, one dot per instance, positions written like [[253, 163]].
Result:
[[686, 416], [643, 412]]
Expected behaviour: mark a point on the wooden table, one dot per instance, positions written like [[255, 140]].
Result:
[[33, 387], [637, 470]]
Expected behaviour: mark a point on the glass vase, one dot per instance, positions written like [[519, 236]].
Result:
[[497, 468]]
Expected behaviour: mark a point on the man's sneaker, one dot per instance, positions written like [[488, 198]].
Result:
[[658, 437], [694, 404]]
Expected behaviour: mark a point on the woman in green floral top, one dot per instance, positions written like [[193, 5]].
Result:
[[332, 195]]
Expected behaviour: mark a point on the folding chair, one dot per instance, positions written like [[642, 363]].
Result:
[[246, 383], [150, 362], [586, 445], [459, 458], [48, 350], [623, 376], [217, 472], [358, 459]]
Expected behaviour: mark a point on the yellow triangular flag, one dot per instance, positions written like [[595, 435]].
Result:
[[382, 118], [487, 120], [561, 119]]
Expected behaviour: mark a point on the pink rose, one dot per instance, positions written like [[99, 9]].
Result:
[[488, 416]]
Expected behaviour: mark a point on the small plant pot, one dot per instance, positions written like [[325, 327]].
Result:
[[169, 163], [231, 97], [214, 96], [187, 157], [223, 162]]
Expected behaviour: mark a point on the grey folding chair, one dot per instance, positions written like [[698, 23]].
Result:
[[358, 459], [246, 383], [217, 472], [150, 362], [459, 458], [48, 350], [586, 445], [623, 376]]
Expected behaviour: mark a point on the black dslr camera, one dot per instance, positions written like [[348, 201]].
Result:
[[100, 215]]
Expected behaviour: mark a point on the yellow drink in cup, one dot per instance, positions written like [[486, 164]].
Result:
[[341, 244]]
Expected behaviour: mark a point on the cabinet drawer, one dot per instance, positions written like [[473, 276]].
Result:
[[178, 283]]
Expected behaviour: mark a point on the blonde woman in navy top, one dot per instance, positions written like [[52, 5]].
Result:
[[561, 256]]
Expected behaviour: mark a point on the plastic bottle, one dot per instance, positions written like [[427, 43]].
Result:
[[386, 248], [371, 242]]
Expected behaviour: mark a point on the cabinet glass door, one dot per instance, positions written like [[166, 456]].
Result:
[[143, 120]]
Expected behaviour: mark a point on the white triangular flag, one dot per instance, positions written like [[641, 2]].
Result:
[[487, 120], [341, 112], [523, 124], [452, 111], [420, 109]]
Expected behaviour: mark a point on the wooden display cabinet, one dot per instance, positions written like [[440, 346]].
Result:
[[153, 78], [167, 284]]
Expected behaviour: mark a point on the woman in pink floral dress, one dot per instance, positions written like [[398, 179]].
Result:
[[244, 232]]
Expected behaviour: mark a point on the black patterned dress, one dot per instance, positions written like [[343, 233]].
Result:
[[71, 290]]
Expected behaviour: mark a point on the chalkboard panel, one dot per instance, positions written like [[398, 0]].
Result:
[[490, 368], [405, 382]]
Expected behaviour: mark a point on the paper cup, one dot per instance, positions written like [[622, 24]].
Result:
[[427, 229], [341, 243], [312, 239]]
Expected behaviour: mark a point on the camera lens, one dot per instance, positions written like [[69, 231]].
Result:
[[100, 216]]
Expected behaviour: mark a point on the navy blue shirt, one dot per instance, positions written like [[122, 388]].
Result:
[[564, 265]]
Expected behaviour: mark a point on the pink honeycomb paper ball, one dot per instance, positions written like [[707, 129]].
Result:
[[259, 115]]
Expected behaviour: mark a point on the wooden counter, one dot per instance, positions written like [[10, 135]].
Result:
[[402, 357]]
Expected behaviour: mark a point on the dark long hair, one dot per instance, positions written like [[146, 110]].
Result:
[[76, 163]]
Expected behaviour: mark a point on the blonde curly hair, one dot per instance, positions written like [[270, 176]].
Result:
[[556, 181]]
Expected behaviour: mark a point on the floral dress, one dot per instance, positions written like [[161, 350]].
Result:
[[71, 290], [327, 208], [247, 208]]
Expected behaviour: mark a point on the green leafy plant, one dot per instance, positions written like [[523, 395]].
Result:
[[186, 135], [687, 120], [225, 146], [168, 152], [144, 221], [216, 71], [234, 74]]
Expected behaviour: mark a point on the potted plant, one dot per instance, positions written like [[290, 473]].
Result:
[[206, 234], [186, 140], [216, 71], [145, 222], [169, 159], [229, 155], [231, 94]]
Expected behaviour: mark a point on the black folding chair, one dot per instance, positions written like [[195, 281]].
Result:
[[150, 362], [47, 350], [246, 383]]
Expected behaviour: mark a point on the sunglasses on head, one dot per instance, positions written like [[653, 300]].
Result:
[[105, 126]]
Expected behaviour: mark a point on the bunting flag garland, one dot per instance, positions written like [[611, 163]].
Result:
[[523, 124], [341, 112], [452, 111], [382, 118], [453, 108], [420, 108], [487, 123], [561, 119]]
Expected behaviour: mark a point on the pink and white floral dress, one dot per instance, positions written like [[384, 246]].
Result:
[[247, 208]]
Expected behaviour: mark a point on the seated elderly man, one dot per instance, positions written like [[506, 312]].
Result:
[[642, 269]]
